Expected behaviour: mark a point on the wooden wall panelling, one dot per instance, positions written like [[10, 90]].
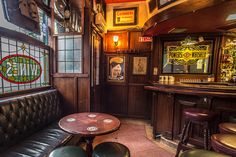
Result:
[[135, 45], [116, 99], [64, 86], [83, 95], [137, 101]]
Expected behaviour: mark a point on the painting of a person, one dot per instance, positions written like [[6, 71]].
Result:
[[116, 68], [140, 65]]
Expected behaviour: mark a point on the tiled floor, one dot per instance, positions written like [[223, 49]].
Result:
[[137, 136]]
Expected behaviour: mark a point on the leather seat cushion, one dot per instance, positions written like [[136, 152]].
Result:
[[199, 114], [201, 153], [228, 128], [68, 151], [39, 144], [111, 149], [225, 143]]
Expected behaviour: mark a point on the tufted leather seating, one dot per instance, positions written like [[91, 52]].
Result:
[[28, 125]]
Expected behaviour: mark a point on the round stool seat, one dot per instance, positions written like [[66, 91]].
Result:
[[198, 114], [68, 151], [111, 149], [227, 128], [201, 153], [232, 119], [224, 143]]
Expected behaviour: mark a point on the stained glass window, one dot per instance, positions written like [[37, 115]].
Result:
[[30, 55], [69, 54]]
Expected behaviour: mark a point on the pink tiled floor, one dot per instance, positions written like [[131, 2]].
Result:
[[135, 138]]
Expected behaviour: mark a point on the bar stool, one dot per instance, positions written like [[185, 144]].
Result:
[[68, 151], [195, 116], [111, 149], [232, 119], [227, 128], [201, 153], [224, 143]]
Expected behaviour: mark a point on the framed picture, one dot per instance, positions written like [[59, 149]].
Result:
[[116, 68], [125, 16], [139, 65], [163, 3]]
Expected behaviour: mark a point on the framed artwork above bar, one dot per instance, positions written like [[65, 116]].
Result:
[[125, 16], [163, 3]]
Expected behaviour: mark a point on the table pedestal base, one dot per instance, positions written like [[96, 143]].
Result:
[[89, 145]]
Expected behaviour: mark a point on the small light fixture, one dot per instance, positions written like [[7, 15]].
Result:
[[115, 40], [67, 14]]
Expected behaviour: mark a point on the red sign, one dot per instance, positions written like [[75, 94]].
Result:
[[145, 39]]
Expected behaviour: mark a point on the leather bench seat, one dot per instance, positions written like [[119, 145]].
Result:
[[29, 125], [39, 144]]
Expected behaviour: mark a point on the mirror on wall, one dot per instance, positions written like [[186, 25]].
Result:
[[187, 56]]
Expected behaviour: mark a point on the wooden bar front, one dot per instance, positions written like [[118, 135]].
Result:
[[170, 99]]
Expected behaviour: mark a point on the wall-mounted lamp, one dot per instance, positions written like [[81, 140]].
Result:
[[116, 40], [67, 14]]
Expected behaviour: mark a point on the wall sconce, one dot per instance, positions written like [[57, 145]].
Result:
[[116, 40], [67, 14]]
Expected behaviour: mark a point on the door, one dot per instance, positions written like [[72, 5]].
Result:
[[96, 87]]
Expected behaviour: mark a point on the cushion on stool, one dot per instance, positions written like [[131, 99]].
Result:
[[199, 114], [111, 149], [68, 151], [224, 143], [232, 119], [227, 128], [201, 153]]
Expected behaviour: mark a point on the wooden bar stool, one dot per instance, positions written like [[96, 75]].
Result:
[[195, 116], [111, 149], [68, 151], [201, 153], [227, 128], [224, 143]]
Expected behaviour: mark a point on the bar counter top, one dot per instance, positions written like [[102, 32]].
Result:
[[204, 88]]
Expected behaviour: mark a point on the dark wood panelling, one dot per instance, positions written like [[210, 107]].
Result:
[[137, 101], [65, 87], [136, 45], [83, 98], [165, 106], [116, 99]]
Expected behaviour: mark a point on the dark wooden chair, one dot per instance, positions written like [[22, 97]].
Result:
[[196, 116]]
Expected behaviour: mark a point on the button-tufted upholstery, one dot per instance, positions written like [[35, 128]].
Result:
[[28, 125]]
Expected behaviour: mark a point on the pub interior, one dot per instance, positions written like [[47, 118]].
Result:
[[118, 78]]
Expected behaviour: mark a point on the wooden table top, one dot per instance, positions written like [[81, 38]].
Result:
[[89, 123]]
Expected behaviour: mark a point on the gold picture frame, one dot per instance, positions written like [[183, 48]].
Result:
[[125, 16], [140, 65], [116, 68]]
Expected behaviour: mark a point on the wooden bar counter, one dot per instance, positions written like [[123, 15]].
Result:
[[169, 100]]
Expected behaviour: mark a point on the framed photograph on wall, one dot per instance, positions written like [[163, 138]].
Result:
[[139, 65], [125, 16], [163, 3], [116, 68]]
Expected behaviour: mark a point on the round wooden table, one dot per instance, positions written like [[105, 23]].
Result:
[[89, 125]]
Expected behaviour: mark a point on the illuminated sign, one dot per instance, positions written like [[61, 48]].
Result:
[[20, 69], [187, 54], [145, 39], [126, 16]]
